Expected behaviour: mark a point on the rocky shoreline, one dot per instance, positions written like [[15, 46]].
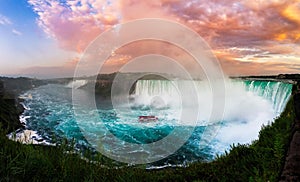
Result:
[[11, 110], [11, 106]]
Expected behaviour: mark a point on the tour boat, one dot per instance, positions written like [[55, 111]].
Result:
[[143, 119]]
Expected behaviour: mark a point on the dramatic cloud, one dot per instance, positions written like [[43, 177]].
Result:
[[245, 35], [74, 24]]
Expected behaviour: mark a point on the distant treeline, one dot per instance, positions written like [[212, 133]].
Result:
[[294, 77], [21, 84]]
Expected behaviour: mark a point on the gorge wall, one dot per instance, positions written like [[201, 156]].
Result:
[[291, 170]]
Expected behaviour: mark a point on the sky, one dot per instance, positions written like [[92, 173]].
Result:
[[45, 39]]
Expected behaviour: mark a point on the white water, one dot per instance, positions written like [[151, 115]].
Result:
[[248, 105], [76, 84], [27, 136]]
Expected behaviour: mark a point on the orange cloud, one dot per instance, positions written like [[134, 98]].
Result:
[[238, 31], [292, 12]]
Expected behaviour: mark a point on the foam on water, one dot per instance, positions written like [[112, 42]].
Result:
[[27, 137]]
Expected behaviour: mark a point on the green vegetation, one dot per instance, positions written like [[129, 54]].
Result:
[[290, 78], [260, 161], [20, 84]]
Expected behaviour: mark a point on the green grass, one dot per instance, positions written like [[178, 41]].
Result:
[[260, 161]]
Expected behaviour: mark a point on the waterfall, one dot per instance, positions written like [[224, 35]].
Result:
[[248, 106], [276, 92], [170, 94], [76, 83], [154, 87], [239, 94], [157, 93]]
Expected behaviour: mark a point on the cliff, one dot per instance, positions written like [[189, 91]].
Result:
[[291, 170], [10, 109]]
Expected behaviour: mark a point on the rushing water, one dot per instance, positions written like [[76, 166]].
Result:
[[248, 105]]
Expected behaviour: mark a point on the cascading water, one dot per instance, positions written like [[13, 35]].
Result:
[[248, 105], [76, 83], [275, 92], [156, 94]]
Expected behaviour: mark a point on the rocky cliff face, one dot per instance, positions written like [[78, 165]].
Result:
[[291, 171], [296, 96], [10, 109]]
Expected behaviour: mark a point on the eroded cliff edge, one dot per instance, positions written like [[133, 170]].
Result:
[[10, 109], [291, 170]]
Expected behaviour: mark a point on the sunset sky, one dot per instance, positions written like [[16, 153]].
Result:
[[249, 37]]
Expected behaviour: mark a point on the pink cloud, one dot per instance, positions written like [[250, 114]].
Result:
[[74, 24], [269, 27]]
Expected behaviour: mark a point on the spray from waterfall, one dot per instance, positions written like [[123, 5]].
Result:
[[76, 83], [238, 93], [248, 106]]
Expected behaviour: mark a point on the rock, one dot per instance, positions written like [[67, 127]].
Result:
[[10, 109], [291, 170], [296, 96]]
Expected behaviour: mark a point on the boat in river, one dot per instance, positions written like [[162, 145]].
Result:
[[144, 119]]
